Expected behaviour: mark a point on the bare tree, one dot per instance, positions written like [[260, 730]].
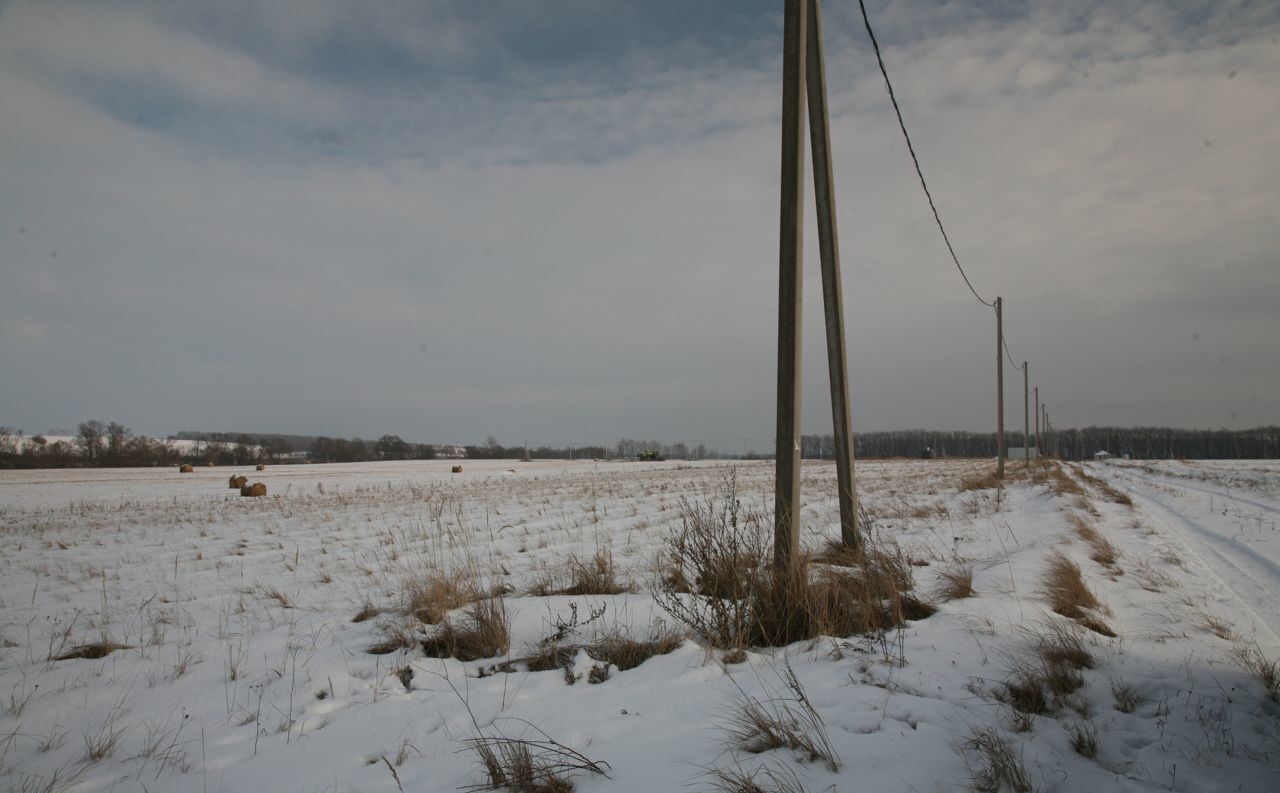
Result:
[[89, 441]]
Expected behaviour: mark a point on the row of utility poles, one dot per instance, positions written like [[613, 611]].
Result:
[[1026, 421], [804, 77]]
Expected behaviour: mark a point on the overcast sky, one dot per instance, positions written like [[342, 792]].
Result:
[[557, 220]]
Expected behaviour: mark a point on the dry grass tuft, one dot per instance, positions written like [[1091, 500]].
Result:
[[627, 653], [987, 481], [101, 743], [1001, 767], [1062, 643], [1109, 492], [91, 650], [510, 765], [279, 597], [482, 632], [1216, 625], [1025, 691], [1097, 626], [429, 595], [724, 588], [1127, 699], [367, 612], [764, 778], [784, 721], [1084, 738], [397, 637], [1102, 551], [598, 576], [1065, 588], [955, 582], [739, 600], [615, 648], [540, 765], [1266, 672], [1054, 673], [1062, 483]]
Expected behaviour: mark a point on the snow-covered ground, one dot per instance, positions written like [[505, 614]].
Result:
[[240, 668]]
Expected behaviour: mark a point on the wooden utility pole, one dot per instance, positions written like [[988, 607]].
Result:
[[786, 540], [1026, 418], [804, 76], [999, 388], [832, 291], [1039, 450]]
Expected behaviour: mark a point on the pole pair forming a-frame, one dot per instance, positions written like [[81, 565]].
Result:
[[804, 77]]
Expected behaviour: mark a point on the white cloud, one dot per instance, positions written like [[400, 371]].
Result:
[[593, 252]]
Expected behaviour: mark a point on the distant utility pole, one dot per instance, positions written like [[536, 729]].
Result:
[[803, 72], [999, 388], [1026, 418], [1039, 451]]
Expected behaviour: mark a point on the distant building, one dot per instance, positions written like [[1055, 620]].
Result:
[[1017, 453], [454, 451], [1103, 456]]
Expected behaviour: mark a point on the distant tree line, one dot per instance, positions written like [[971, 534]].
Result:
[[99, 444], [112, 445], [1142, 443]]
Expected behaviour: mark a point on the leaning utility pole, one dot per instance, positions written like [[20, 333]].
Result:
[[999, 388], [832, 290], [803, 72], [1026, 419]]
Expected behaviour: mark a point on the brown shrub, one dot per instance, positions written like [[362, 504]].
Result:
[[738, 599]]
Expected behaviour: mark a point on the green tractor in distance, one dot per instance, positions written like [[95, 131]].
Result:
[[650, 455]]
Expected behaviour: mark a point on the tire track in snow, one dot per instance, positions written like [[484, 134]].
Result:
[[1227, 494], [1253, 577]]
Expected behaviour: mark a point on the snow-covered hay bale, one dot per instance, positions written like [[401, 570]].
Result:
[[186, 468], [457, 469], [261, 467], [254, 490], [238, 481]]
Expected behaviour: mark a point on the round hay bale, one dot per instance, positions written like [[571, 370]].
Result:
[[261, 467], [186, 468], [210, 463], [254, 490], [238, 481], [457, 469]]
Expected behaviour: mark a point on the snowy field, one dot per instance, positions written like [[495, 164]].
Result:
[[235, 664]]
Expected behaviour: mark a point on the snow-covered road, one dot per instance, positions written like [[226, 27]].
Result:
[[1234, 535]]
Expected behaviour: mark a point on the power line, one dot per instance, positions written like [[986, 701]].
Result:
[[1005, 342], [910, 148]]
